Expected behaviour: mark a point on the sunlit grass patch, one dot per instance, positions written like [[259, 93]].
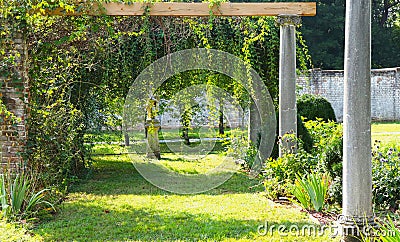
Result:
[[117, 204], [194, 164], [164, 134], [386, 132], [10, 232]]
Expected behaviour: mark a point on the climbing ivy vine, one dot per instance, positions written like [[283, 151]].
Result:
[[81, 68]]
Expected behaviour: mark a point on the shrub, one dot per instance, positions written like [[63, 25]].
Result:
[[302, 134], [238, 148], [312, 107], [328, 147], [386, 176], [280, 173], [325, 157]]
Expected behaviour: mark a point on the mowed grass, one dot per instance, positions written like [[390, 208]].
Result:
[[117, 204], [164, 134], [386, 132]]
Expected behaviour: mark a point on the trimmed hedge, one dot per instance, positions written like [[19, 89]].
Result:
[[313, 107]]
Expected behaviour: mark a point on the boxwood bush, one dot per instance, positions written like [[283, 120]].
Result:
[[312, 107]]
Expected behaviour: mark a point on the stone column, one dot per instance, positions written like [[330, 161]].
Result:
[[357, 171], [287, 80]]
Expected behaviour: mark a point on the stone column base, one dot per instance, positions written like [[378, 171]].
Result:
[[353, 228]]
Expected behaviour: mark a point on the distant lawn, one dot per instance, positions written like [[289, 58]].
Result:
[[164, 133], [117, 204], [386, 132]]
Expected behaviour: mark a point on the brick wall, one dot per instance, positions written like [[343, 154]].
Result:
[[385, 90], [14, 93]]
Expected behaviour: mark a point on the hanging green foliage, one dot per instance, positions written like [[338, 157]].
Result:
[[81, 68]]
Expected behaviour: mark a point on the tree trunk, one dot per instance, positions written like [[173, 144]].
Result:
[[221, 121], [185, 134], [126, 136], [185, 121]]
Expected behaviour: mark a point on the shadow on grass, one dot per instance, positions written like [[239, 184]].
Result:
[[179, 159], [88, 222], [117, 204], [116, 175]]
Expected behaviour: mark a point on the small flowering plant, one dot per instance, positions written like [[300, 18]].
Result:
[[386, 176]]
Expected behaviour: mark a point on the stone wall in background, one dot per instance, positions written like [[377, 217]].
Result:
[[14, 94], [385, 90]]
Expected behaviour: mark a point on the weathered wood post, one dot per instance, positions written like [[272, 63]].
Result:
[[287, 80], [152, 127], [357, 171]]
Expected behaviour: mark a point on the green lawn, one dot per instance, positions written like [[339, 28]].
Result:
[[194, 133], [117, 204], [386, 132], [12, 232]]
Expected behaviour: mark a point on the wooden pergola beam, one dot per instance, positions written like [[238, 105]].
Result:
[[203, 9]]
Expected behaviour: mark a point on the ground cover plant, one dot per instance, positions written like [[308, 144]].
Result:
[[10, 232]]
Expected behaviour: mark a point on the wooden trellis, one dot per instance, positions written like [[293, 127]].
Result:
[[178, 9]]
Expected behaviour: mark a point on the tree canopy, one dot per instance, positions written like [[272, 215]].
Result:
[[324, 34]]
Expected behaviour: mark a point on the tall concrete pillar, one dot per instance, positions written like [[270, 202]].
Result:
[[287, 80], [357, 171]]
